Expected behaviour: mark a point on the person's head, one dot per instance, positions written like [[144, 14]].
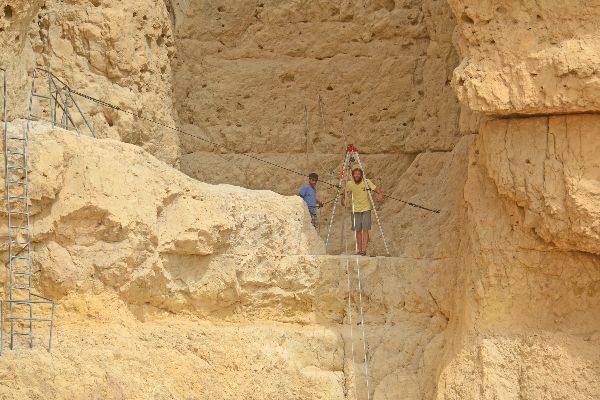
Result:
[[313, 179], [357, 174]]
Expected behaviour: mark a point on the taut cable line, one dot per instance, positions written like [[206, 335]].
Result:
[[221, 146]]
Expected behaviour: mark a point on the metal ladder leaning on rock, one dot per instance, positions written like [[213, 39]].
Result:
[[22, 301]]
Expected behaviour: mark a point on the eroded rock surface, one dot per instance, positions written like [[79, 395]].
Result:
[[531, 57], [172, 288], [150, 256]]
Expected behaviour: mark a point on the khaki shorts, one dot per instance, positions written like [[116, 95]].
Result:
[[362, 220]]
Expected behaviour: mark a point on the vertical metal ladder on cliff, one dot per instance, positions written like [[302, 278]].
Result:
[[22, 301]]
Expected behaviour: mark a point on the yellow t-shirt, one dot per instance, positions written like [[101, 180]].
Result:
[[359, 196]]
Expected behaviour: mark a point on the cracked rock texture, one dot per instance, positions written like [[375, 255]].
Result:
[[345, 72], [119, 52], [174, 284], [528, 57], [164, 267]]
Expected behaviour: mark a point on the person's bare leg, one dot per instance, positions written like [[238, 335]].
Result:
[[364, 241], [358, 240]]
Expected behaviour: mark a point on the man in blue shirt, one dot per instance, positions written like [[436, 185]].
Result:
[[308, 192]]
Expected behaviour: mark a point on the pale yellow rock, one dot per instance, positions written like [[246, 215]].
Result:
[[528, 57], [121, 238], [120, 52], [171, 288], [382, 70]]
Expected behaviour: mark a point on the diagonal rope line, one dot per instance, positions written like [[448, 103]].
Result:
[[221, 146]]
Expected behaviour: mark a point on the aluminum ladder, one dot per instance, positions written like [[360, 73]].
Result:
[[21, 299]]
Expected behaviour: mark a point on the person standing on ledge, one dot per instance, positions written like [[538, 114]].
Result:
[[308, 192], [361, 206]]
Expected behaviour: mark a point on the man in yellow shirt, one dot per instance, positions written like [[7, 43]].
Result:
[[361, 206]]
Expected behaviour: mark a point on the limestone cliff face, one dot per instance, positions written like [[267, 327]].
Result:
[[528, 303], [525, 314], [118, 51], [495, 297], [245, 73], [156, 271], [527, 56]]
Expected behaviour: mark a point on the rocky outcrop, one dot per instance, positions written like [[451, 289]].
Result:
[[120, 52], [525, 316], [527, 57], [168, 287], [547, 167], [233, 280], [107, 211]]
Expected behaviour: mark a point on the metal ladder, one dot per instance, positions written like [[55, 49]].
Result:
[[55, 103], [21, 298]]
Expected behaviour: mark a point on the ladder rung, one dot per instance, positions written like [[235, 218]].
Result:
[[17, 168], [16, 153], [21, 288], [17, 242], [15, 138], [23, 273], [18, 227], [21, 333], [21, 183], [42, 96], [19, 258], [16, 197], [29, 319], [18, 213]]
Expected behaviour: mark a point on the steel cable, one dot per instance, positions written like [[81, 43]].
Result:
[[221, 146]]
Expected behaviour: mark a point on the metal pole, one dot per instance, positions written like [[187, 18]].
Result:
[[337, 196], [66, 115], [52, 105], [360, 302], [30, 317], [81, 113], [51, 329], [66, 112], [1, 326]]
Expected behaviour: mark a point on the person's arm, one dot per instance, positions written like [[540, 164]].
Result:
[[379, 194]]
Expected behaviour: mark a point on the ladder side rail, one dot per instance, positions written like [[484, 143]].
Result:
[[9, 211], [337, 196], [5, 136], [81, 113], [1, 326], [360, 302], [372, 203], [52, 104], [65, 105], [349, 305]]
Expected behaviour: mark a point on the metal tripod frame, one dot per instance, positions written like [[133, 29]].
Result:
[[352, 155]]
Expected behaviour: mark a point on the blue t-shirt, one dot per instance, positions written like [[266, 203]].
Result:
[[309, 194]]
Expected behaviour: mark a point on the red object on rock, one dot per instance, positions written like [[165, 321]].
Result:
[[351, 149]]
